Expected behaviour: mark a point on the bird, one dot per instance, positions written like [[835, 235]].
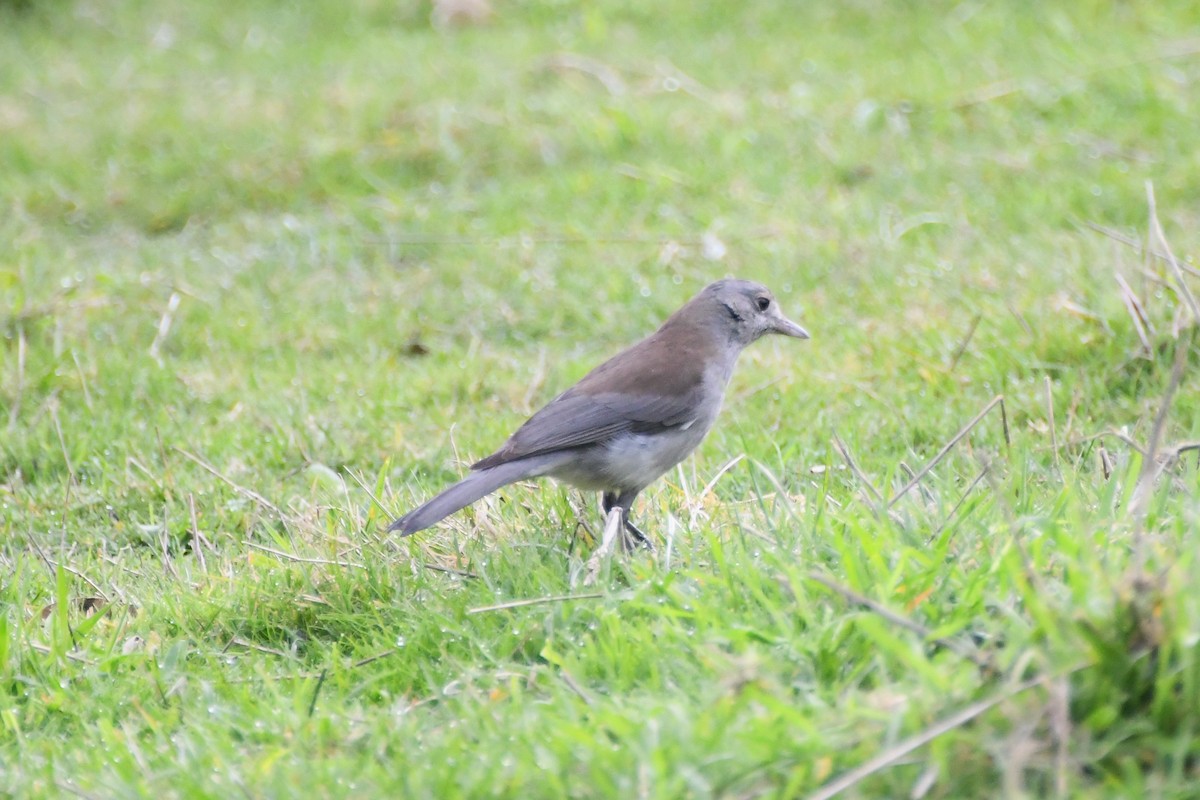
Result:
[[632, 418]]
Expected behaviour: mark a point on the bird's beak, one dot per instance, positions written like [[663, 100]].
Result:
[[782, 324]]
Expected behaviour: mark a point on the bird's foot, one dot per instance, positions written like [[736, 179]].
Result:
[[633, 538]]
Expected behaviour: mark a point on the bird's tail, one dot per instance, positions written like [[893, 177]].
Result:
[[470, 489]]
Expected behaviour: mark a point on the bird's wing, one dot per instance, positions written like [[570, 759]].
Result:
[[655, 385], [575, 419]]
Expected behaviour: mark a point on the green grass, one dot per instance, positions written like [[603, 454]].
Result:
[[388, 243]]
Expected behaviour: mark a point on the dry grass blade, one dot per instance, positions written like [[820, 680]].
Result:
[[362, 484], [1184, 48], [1156, 231], [1113, 234], [1137, 312], [312, 704], [998, 400], [70, 654], [62, 443], [199, 542], [1121, 436], [608, 77], [978, 479], [362, 662], [1171, 454], [1151, 466], [82, 577], [164, 326], [575, 687], [535, 601], [708, 487], [927, 496], [462, 573], [986, 94], [966, 340], [1135, 244], [669, 75], [1059, 715], [899, 750], [303, 559], [238, 641], [253, 495], [1049, 386], [876, 499], [968, 652], [55, 310], [695, 504]]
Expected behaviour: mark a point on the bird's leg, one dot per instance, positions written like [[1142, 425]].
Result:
[[607, 503], [624, 501]]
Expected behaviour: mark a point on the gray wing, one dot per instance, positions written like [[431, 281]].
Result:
[[575, 419]]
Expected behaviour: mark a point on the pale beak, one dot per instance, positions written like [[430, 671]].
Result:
[[788, 328]]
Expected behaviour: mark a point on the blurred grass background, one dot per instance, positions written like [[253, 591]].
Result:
[[272, 273]]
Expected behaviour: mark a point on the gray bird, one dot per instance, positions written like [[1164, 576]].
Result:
[[633, 417]]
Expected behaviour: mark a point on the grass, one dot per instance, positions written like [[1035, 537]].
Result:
[[272, 275]]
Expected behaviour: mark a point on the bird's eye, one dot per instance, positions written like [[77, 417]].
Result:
[[763, 303]]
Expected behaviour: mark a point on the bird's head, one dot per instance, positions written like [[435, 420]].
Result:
[[744, 310]]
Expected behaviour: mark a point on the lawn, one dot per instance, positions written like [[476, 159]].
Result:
[[272, 274]]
